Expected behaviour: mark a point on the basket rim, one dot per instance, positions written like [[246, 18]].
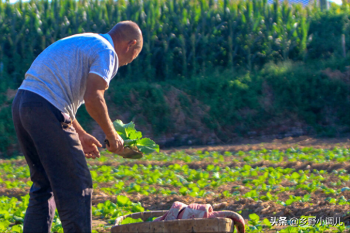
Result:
[[154, 213]]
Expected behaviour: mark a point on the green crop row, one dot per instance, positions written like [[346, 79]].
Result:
[[260, 183], [212, 160], [211, 175], [12, 212], [223, 178]]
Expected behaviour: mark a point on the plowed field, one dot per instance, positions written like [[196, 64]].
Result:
[[304, 178]]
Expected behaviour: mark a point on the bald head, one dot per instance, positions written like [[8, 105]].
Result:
[[128, 41], [127, 31]]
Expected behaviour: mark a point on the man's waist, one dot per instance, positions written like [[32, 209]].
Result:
[[53, 100]]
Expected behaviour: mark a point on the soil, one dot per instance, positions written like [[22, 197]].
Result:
[[265, 209], [270, 144]]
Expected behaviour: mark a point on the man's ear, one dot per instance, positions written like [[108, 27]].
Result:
[[131, 43]]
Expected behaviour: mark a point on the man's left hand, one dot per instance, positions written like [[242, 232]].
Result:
[[90, 144]]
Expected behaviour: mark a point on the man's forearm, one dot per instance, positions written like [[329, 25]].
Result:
[[97, 109], [78, 127]]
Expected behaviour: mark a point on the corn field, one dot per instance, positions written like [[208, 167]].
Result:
[[181, 37]]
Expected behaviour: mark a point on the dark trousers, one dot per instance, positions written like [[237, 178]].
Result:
[[57, 166]]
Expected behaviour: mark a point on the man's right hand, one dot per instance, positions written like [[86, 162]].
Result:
[[116, 144]]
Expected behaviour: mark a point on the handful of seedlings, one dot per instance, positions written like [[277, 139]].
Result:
[[134, 145]]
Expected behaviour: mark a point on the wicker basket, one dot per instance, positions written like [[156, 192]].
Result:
[[222, 225]]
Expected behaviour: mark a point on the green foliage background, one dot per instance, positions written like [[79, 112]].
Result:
[[221, 53]]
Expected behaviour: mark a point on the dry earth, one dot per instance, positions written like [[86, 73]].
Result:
[[271, 144]]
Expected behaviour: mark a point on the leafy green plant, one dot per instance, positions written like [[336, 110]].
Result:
[[256, 225], [133, 138], [130, 220]]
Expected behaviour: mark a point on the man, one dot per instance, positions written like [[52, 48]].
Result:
[[69, 72]]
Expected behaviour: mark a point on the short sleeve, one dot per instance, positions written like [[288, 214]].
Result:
[[105, 64]]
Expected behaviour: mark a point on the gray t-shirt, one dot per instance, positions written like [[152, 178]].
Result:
[[60, 72]]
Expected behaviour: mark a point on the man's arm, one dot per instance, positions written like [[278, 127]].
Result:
[[78, 127], [88, 142], [96, 106]]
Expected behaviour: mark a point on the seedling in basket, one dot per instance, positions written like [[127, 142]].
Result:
[[134, 145]]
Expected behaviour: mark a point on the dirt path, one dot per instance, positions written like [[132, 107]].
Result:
[[270, 144]]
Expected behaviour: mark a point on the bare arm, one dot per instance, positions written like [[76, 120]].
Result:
[[88, 142], [96, 106], [78, 127]]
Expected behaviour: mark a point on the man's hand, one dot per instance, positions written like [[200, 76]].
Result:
[[116, 144], [90, 144]]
